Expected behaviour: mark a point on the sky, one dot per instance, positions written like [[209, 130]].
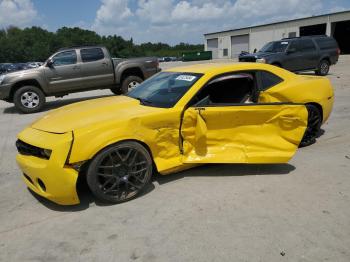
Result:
[[168, 21]]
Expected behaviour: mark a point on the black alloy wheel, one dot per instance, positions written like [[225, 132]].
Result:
[[120, 172], [313, 125]]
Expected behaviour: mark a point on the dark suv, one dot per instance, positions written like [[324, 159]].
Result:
[[298, 54]]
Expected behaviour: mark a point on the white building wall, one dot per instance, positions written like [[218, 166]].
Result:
[[224, 43], [261, 35]]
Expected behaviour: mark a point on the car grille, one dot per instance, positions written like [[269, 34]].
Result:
[[247, 59], [29, 150]]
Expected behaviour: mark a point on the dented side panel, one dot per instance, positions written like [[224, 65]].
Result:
[[243, 134], [159, 132]]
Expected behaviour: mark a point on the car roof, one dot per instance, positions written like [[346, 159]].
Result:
[[218, 67], [79, 47]]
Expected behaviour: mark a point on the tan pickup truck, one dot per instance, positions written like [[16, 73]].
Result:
[[73, 70]]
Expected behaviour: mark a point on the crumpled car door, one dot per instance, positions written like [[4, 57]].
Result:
[[251, 133]]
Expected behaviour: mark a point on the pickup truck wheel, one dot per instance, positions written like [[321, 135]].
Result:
[[323, 68], [130, 83], [120, 172], [29, 99]]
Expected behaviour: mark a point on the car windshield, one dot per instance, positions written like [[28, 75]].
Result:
[[164, 89], [275, 47]]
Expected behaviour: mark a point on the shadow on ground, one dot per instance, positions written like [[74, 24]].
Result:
[[54, 104], [211, 171]]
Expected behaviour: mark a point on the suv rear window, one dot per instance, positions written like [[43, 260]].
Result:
[[326, 43], [91, 54], [268, 80]]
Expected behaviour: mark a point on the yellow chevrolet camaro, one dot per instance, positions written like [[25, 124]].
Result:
[[181, 117]]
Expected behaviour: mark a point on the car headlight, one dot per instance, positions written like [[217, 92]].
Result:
[[261, 60], [2, 78]]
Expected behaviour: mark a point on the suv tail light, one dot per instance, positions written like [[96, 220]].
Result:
[[338, 51]]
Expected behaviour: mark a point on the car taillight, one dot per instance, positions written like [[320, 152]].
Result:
[[338, 51]]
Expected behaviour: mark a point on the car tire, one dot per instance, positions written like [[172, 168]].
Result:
[[129, 83], [323, 68], [29, 99], [313, 125], [120, 172], [116, 90]]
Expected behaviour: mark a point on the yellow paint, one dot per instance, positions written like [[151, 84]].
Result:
[[243, 134], [59, 180], [233, 134]]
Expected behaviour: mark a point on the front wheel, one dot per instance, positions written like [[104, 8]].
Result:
[[29, 99], [323, 68], [313, 125], [120, 172]]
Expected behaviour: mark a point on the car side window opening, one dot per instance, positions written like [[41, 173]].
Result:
[[228, 89], [65, 58], [91, 54], [294, 45]]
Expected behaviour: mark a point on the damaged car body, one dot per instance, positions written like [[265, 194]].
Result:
[[179, 118]]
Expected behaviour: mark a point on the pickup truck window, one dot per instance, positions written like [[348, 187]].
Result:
[[65, 58], [164, 89], [91, 54]]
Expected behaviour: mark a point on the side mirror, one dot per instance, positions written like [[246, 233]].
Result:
[[291, 51], [50, 63]]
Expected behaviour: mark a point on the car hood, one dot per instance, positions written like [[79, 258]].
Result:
[[258, 55], [22, 72], [83, 114]]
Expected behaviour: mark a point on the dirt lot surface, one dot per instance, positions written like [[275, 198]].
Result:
[[294, 212]]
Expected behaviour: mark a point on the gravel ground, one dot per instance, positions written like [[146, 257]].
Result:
[[294, 212]]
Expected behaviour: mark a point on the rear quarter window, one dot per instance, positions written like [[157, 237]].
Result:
[[268, 80], [307, 45], [91, 54], [326, 43]]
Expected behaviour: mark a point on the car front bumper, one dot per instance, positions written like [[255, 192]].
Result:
[[5, 91], [49, 178]]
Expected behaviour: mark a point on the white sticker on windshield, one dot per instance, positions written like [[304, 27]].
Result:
[[284, 43], [186, 78]]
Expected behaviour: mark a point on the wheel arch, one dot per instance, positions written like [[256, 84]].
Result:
[[29, 82], [131, 71], [142, 143], [318, 106], [326, 58]]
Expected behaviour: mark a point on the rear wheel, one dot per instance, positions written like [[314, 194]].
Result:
[[277, 64], [120, 172], [323, 68], [116, 90], [130, 83], [313, 125], [29, 99]]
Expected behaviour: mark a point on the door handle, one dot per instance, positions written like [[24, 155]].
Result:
[[289, 118]]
